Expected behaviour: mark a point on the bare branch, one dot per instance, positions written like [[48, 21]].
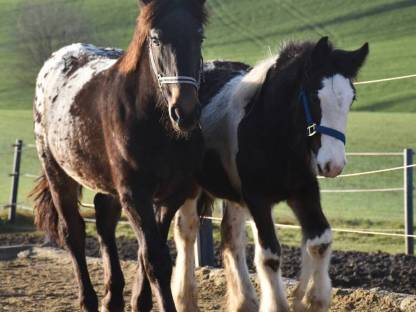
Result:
[[42, 27]]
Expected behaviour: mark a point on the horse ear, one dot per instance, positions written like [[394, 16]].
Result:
[[144, 2], [359, 56], [350, 62], [321, 50]]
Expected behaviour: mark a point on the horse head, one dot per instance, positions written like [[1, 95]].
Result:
[[174, 41], [328, 92]]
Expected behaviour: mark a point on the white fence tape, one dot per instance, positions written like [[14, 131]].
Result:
[[398, 189], [385, 79], [352, 231], [278, 225], [370, 172]]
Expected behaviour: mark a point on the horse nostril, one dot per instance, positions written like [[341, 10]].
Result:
[[175, 114], [327, 167]]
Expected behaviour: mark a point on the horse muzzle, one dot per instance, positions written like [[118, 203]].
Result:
[[185, 120]]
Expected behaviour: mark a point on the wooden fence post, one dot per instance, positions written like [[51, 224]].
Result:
[[408, 200], [204, 245], [15, 180]]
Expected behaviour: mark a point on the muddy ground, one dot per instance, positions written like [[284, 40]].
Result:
[[395, 273], [43, 281]]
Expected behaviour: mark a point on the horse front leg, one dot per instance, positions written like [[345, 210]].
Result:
[[107, 214], [267, 256], [153, 250], [143, 295], [241, 295], [316, 254]]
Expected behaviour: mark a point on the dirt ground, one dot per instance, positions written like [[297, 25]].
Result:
[[42, 280], [393, 273]]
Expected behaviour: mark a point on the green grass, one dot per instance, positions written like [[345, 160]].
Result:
[[245, 30]]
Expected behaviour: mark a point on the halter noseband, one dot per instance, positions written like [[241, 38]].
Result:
[[312, 127], [175, 79]]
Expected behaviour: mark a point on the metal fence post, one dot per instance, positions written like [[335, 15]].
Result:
[[15, 180], [408, 200], [204, 245]]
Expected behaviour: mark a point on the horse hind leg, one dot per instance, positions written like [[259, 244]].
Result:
[[186, 226], [64, 193], [107, 213], [313, 292], [241, 295]]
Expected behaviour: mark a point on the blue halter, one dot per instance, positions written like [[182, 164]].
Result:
[[312, 127]]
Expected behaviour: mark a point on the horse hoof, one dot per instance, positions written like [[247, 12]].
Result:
[[317, 304], [299, 306]]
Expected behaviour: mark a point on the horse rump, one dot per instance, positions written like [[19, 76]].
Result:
[[46, 215]]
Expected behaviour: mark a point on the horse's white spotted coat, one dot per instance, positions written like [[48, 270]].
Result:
[[221, 117], [336, 97], [56, 128]]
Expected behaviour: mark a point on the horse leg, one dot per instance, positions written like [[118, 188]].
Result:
[[241, 295], [316, 253], [186, 226], [65, 191], [141, 299], [107, 213], [267, 257], [153, 252]]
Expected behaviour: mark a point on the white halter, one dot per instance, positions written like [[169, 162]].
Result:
[[174, 79]]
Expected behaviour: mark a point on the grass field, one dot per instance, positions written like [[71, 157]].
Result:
[[384, 117], [246, 29]]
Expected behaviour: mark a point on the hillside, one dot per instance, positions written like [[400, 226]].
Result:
[[245, 30]]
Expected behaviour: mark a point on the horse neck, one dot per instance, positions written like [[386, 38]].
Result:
[[281, 121], [142, 90], [280, 103]]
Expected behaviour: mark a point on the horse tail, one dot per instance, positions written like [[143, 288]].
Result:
[[46, 215], [205, 204]]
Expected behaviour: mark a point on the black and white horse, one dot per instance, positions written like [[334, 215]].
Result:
[[268, 132]]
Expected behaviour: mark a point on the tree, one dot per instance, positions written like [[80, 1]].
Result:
[[43, 26]]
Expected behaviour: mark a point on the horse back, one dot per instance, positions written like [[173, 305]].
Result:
[[66, 127]]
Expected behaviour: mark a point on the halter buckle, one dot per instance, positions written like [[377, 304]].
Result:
[[311, 130]]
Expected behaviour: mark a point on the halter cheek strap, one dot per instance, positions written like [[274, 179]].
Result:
[[174, 79], [313, 128]]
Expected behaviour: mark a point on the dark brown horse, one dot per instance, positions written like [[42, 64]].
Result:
[[123, 125]]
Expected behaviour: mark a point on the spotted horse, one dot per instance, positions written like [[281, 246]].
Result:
[[125, 125], [269, 131]]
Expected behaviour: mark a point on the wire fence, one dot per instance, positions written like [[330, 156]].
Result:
[[407, 188], [382, 232], [340, 230]]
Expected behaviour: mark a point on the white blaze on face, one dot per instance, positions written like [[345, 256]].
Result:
[[336, 97]]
